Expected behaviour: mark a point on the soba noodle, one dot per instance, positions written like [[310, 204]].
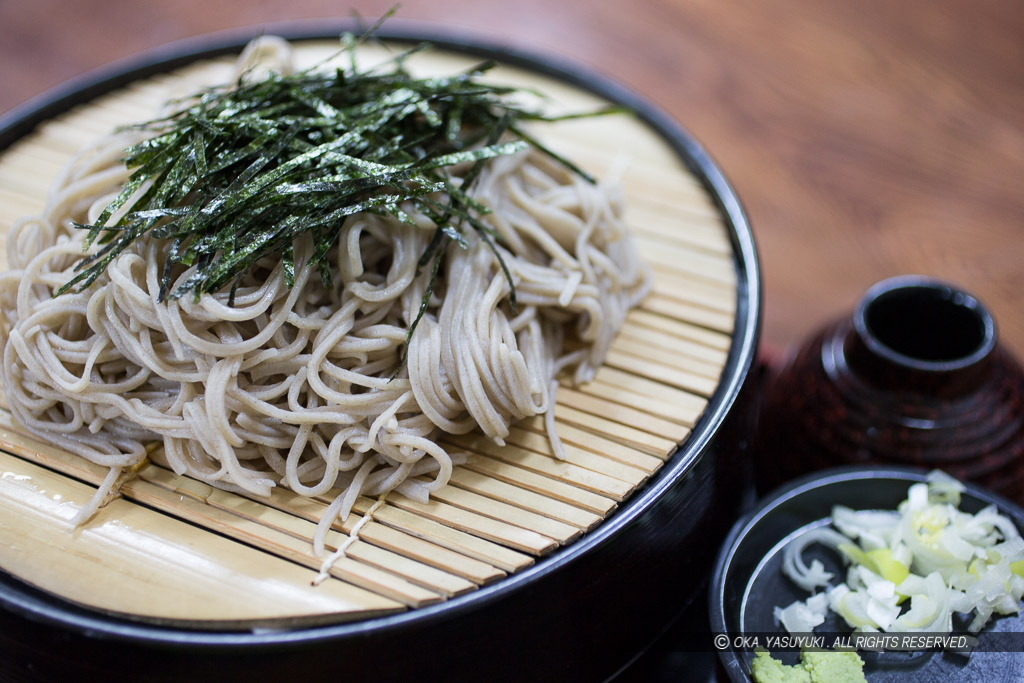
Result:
[[297, 386]]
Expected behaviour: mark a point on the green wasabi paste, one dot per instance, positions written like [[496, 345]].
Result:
[[814, 667]]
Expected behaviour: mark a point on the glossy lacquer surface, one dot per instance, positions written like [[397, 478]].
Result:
[[914, 376]]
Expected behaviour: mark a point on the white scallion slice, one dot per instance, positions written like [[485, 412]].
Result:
[[815, 576], [913, 567], [802, 617]]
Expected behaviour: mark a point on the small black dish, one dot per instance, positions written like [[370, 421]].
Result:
[[748, 582]]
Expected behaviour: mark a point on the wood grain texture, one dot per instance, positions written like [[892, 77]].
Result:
[[866, 139]]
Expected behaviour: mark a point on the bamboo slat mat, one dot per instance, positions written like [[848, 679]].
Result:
[[174, 550]]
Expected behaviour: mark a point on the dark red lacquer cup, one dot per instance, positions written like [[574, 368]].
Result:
[[915, 376]]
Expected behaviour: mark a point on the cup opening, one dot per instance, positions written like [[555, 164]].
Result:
[[925, 323]]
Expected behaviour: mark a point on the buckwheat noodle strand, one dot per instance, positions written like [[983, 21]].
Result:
[[297, 386]]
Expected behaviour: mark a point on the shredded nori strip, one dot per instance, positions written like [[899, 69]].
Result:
[[241, 171]]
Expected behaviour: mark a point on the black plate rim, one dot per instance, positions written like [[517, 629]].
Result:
[[731, 662], [34, 604]]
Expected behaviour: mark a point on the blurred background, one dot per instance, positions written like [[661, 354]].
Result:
[[866, 139]]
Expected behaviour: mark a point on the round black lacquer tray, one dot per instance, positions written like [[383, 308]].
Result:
[[581, 613]]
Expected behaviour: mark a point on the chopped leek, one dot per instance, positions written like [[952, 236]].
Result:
[[941, 558]]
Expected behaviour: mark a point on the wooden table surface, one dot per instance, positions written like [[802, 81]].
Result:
[[866, 139]]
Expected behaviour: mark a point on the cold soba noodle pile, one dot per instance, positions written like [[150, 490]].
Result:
[[291, 376]]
